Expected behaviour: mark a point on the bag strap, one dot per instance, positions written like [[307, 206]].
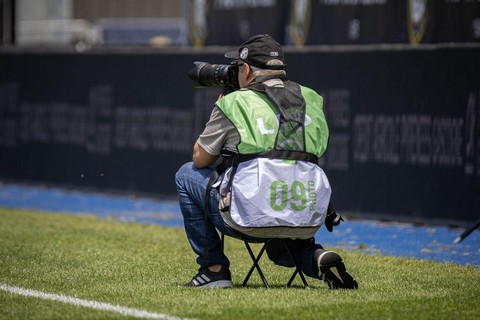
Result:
[[234, 160]]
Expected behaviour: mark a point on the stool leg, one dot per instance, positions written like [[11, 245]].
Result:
[[255, 265], [298, 268]]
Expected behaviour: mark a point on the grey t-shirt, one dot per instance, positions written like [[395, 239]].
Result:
[[219, 134]]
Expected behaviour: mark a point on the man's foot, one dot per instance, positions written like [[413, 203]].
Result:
[[208, 279], [333, 272]]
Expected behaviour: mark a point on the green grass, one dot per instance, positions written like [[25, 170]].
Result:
[[144, 266]]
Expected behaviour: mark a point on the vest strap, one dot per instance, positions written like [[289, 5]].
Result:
[[290, 155], [233, 160]]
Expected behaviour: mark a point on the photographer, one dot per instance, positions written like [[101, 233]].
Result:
[[245, 122]]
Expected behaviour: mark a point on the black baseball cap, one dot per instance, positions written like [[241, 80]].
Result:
[[260, 51]]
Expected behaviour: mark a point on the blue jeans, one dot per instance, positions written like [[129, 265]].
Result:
[[191, 187]]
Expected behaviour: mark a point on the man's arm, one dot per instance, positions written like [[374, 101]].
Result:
[[202, 158]]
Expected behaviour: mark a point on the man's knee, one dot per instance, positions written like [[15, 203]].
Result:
[[183, 172]]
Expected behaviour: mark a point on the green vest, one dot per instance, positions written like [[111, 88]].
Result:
[[255, 117]]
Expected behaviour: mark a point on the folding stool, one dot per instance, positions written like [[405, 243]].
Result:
[[256, 266]]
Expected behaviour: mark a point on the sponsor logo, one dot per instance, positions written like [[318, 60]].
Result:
[[300, 15], [244, 53], [417, 18]]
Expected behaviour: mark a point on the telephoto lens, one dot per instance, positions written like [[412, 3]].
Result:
[[205, 74]]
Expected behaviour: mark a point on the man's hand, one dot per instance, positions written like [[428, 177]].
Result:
[[333, 219]]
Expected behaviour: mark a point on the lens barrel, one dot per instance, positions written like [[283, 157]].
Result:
[[205, 74]]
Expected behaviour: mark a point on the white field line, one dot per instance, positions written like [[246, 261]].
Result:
[[88, 303]]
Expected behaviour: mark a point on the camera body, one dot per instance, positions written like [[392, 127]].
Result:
[[205, 74]]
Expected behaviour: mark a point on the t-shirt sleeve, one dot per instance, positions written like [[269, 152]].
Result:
[[219, 134]]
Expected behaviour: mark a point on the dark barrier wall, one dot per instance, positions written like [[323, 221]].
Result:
[[405, 123]]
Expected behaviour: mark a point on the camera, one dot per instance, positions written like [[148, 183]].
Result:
[[205, 74]]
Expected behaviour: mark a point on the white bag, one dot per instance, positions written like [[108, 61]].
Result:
[[273, 198]]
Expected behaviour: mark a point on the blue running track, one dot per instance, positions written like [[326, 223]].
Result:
[[393, 239]]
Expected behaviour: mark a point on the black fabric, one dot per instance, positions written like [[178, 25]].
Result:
[[291, 105], [234, 160], [290, 155], [276, 249], [260, 51]]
